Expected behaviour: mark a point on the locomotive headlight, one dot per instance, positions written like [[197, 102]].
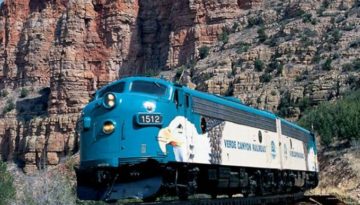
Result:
[[108, 127], [149, 106], [109, 100]]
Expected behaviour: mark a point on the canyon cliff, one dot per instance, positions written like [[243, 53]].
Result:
[[55, 53]]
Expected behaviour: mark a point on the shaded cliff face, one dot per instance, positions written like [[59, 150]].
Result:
[[85, 44], [55, 53]]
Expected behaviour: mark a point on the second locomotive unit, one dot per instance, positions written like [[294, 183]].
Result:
[[144, 137]]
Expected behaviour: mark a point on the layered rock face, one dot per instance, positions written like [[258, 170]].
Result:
[[54, 54], [287, 57]]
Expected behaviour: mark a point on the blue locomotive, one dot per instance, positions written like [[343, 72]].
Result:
[[144, 137]]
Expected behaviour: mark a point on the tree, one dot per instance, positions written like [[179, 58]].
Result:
[[7, 190], [339, 120]]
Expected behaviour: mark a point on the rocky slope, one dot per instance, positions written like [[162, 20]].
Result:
[[281, 56], [340, 173], [287, 57]]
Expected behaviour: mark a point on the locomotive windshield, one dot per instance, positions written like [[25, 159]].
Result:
[[152, 88], [117, 88]]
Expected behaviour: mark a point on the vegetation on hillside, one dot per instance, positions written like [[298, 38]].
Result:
[[335, 121], [7, 190]]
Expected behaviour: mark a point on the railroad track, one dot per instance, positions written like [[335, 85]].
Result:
[[321, 200], [287, 199]]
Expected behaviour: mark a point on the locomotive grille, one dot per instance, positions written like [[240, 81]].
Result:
[[215, 135], [218, 111], [294, 133]]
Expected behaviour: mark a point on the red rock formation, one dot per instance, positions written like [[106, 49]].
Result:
[[73, 47]]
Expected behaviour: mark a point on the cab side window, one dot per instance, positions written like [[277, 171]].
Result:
[[187, 101], [203, 125], [176, 98]]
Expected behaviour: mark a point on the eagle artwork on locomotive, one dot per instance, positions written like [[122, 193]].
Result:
[[145, 137]]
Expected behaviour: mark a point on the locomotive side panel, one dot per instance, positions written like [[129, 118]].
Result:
[[223, 143], [299, 148], [249, 147], [222, 135], [294, 156]]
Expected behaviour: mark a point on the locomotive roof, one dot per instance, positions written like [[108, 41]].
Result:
[[295, 126], [214, 98], [230, 103]]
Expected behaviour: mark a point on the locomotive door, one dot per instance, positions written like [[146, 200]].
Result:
[[188, 127], [182, 104], [281, 141]]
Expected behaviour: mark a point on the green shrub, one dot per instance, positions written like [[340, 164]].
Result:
[[306, 42], [336, 56], [353, 66], [340, 19], [4, 93], [325, 4], [327, 64], [279, 69], [314, 21], [299, 78], [7, 189], [335, 36], [255, 21], [306, 18], [321, 10], [285, 104], [309, 32], [204, 52], [355, 44], [304, 103], [273, 65], [293, 12], [347, 67], [272, 42], [316, 58], [259, 65], [224, 36], [261, 34], [265, 78], [10, 105], [348, 27], [242, 47], [238, 63], [339, 120], [356, 64], [235, 27], [353, 82], [24, 92]]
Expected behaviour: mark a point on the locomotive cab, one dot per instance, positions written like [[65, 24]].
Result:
[[118, 135]]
